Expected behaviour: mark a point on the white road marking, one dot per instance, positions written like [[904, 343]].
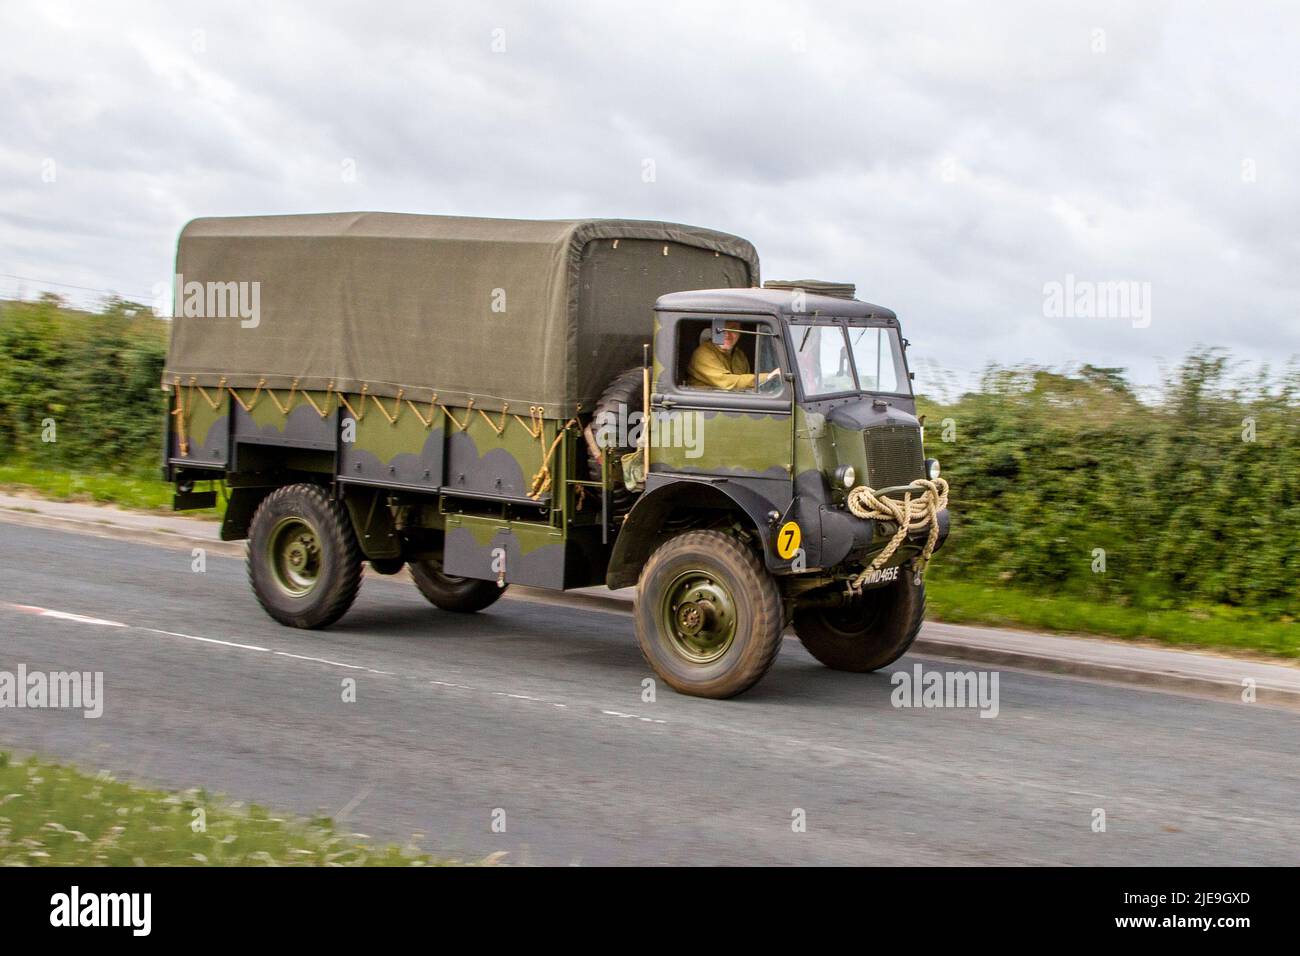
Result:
[[647, 720], [83, 619], [539, 700], [321, 660], [205, 640], [65, 616]]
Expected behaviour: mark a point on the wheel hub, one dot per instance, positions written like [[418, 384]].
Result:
[[297, 554], [293, 553], [696, 616], [699, 616]]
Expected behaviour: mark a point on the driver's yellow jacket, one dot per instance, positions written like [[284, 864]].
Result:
[[711, 367]]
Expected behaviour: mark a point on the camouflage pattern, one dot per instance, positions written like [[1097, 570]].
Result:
[[302, 427], [401, 454], [733, 444], [515, 552], [482, 462], [423, 448], [207, 429]]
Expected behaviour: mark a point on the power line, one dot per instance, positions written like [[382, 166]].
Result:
[[67, 285]]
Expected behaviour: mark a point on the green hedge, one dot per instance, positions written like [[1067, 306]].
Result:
[[1188, 505], [93, 375], [1045, 467]]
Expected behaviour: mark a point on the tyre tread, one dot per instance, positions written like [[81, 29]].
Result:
[[343, 586], [769, 612], [624, 389]]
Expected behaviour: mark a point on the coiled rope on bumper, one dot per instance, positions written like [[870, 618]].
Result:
[[910, 514]]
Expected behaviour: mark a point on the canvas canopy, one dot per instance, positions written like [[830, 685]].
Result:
[[500, 311]]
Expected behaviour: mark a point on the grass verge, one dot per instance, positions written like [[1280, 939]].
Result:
[[138, 489], [53, 815], [1214, 627]]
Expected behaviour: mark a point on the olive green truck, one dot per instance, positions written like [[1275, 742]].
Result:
[[487, 402]]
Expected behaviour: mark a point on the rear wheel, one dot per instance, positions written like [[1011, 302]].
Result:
[[708, 615], [451, 593], [303, 560], [870, 632]]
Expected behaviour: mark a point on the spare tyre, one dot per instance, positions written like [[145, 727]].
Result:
[[611, 430]]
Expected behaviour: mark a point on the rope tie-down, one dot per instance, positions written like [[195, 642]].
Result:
[[541, 482], [910, 514]]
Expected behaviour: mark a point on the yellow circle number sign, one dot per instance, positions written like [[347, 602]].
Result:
[[788, 540]]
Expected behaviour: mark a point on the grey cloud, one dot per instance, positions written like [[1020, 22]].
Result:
[[831, 157]]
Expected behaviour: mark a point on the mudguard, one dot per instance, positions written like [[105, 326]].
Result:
[[642, 529]]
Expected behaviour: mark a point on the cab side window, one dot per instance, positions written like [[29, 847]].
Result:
[[747, 348]]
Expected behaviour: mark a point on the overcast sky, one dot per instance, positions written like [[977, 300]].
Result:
[[952, 160]]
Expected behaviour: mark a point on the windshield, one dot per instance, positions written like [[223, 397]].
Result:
[[828, 356]]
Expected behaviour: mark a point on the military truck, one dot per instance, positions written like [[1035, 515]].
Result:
[[489, 402]]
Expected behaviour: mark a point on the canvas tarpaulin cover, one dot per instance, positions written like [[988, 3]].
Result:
[[500, 311]]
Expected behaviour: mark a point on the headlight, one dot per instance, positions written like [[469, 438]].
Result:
[[845, 476], [931, 468]]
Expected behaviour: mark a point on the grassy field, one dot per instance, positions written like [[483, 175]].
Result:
[[53, 815]]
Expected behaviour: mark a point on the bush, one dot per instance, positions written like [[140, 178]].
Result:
[[1191, 497], [94, 376]]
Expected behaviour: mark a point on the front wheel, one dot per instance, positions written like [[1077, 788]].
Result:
[[303, 559], [451, 593], [869, 632], [708, 615]]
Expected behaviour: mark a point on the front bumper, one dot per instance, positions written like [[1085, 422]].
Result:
[[849, 540]]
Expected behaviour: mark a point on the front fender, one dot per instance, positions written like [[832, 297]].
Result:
[[642, 530]]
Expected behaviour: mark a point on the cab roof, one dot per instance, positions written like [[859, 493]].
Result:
[[779, 302]]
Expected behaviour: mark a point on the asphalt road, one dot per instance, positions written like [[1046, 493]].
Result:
[[537, 710]]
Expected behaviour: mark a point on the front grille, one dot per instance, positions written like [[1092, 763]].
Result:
[[893, 455]]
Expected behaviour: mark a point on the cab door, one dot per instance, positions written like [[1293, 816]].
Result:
[[742, 433]]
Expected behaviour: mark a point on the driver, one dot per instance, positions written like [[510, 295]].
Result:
[[724, 366]]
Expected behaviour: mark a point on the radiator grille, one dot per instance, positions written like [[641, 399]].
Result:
[[893, 455]]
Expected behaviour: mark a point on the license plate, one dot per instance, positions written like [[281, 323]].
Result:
[[880, 576]]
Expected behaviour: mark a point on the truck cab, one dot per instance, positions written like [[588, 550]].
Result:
[[837, 414], [775, 457]]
